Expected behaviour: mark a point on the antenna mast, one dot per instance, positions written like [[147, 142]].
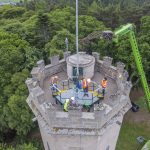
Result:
[[77, 50]]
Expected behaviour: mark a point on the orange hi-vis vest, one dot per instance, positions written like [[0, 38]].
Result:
[[84, 84], [104, 83]]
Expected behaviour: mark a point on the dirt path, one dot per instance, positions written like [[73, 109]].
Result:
[[142, 116]]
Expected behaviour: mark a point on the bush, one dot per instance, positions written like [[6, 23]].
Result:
[[13, 12]]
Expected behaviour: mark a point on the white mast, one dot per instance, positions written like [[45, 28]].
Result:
[[66, 42], [77, 50]]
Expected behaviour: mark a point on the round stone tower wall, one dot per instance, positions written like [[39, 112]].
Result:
[[86, 65]]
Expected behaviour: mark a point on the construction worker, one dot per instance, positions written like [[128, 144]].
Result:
[[79, 84], [85, 87], [72, 100], [54, 82], [104, 85], [66, 105]]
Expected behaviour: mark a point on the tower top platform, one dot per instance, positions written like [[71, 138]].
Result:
[[118, 87]]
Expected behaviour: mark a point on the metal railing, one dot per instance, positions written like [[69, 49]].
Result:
[[92, 89]]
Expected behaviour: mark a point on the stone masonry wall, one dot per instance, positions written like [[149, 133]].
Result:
[[53, 122]]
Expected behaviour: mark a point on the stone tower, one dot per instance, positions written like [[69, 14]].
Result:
[[78, 130]]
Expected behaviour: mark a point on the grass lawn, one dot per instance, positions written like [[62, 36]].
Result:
[[131, 128], [129, 133]]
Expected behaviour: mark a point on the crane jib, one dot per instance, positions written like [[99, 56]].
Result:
[[129, 31]]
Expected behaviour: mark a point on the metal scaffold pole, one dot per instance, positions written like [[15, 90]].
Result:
[[77, 50]]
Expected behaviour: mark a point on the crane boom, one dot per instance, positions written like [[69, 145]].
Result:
[[129, 31], [94, 35]]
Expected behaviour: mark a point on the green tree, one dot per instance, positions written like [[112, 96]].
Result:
[[11, 12], [16, 55], [42, 29], [58, 41], [17, 111], [144, 44]]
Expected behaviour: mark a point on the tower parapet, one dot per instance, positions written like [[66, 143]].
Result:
[[107, 61]]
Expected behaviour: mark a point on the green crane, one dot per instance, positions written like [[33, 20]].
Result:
[[129, 31], [146, 146]]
